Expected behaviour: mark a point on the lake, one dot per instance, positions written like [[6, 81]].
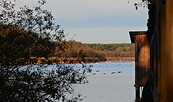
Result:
[[109, 82], [114, 67]]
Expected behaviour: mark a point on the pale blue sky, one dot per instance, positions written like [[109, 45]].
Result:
[[97, 21]]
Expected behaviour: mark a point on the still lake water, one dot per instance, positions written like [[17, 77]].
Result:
[[113, 67], [108, 67], [109, 82]]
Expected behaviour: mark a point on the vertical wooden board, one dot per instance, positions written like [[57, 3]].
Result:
[[169, 49], [161, 71], [142, 59], [136, 64]]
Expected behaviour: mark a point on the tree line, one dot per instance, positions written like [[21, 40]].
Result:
[[115, 50], [75, 49], [121, 47], [99, 52]]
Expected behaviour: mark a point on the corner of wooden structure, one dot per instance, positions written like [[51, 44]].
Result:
[[133, 34]]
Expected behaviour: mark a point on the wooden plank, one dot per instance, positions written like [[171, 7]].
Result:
[[142, 60], [162, 70], [169, 49]]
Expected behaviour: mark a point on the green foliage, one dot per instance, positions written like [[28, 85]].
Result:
[[111, 47]]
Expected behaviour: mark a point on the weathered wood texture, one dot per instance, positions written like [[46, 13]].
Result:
[[161, 77], [163, 51], [142, 60], [167, 52], [160, 36]]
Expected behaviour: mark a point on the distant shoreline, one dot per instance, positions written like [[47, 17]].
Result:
[[120, 58], [56, 60]]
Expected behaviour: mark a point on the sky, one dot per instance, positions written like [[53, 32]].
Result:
[[96, 21]]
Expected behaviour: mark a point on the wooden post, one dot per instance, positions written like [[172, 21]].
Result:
[[142, 60], [137, 94], [161, 77], [168, 50]]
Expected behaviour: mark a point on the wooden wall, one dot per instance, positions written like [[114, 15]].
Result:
[[142, 60], [142, 57]]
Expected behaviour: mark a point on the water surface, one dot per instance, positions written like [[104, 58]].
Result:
[[114, 67]]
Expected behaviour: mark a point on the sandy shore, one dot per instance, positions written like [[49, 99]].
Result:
[[108, 88]]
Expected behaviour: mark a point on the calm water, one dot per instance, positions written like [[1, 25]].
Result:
[[109, 67], [109, 82], [114, 67]]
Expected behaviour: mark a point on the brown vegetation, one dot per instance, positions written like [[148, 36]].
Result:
[[93, 52], [121, 58], [76, 52]]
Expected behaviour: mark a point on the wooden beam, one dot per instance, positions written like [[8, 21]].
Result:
[[169, 49], [166, 72], [137, 94], [162, 70], [134, 33]]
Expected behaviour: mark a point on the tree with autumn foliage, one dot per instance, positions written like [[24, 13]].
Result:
[[31, 32]]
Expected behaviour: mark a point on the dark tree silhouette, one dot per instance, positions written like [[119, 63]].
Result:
[[30, 32], [141, 3]]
